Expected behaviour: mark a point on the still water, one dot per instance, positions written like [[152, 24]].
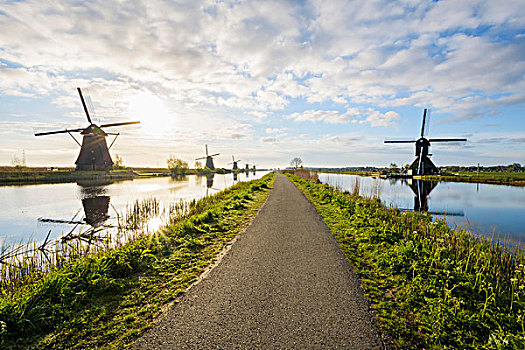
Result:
[[491, 210], [28, 213]]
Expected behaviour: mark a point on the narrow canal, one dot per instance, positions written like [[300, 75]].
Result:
[[28, 213], [492, 210]]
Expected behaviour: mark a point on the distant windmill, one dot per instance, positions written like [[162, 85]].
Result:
[[247, 167], [422, 165], [234, 162], [254, 168], [94, 151], [209, 159]]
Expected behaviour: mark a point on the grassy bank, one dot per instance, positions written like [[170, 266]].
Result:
[[108, 299], [432, 287], [61, 176], [360, 173], [12, 176], [500, 178], [497, 178]]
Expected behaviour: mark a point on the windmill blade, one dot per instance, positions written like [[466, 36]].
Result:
[[427, 122], [400, 141], [200, 158], [118, 124], [60, 221], [423, 126], [237, 161], [213, 155], [58, 132], [89, 103], [84, 105], [446, 140]]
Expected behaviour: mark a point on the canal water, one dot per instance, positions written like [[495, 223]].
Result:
[[28, 213], [491, 210]]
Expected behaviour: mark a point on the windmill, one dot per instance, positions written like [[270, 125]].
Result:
[[94, 151], [254, 168], [209, 159], [234, 162], [422, 165]]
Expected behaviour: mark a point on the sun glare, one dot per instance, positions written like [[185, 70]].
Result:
[[153, 114]]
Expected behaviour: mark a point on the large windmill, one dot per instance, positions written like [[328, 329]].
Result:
[[422, 165], [209, 159], [94, 151], [235, 167]]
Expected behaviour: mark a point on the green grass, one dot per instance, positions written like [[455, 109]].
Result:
[[432, 287], [108, 299], [30, 176], [508, 178]]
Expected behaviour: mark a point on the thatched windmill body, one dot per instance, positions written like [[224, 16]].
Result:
[[422, 165], [209, 159], [94, 151], [235, 167]]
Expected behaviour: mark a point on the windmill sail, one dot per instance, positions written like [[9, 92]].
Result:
[[422, 165], [94, 151], [209, 159]]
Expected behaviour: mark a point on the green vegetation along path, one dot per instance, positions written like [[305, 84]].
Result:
[[285, 284]]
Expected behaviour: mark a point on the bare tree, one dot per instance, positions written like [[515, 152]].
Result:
[[296, 162]]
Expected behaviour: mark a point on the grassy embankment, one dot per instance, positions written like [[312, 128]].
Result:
[[498, 178], [360, 173], [14, 176], [432, 287], [108, 299], [504, 178], [45, 176]]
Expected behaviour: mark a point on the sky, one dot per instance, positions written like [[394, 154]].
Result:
[[265, 81]]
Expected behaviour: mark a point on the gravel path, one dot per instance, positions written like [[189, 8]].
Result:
[[285, 284]]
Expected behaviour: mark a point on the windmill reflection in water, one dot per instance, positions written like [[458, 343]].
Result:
[[422, 190], [95, 207]]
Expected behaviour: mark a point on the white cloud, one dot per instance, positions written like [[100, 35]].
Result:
[[331, 117], [269, 139], [218, 64], [376, 118]]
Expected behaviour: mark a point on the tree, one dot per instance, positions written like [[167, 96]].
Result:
[[176, 166], [393, 168], [197, 165], [296, 162], [119, 163]]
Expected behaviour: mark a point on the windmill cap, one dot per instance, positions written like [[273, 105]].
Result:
[[93, 129]]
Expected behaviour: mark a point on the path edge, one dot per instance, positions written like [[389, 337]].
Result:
[[168, 306]]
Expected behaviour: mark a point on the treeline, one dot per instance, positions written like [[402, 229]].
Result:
[[511, 168]]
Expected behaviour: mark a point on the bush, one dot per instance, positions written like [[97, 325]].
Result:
[[177, 166]]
